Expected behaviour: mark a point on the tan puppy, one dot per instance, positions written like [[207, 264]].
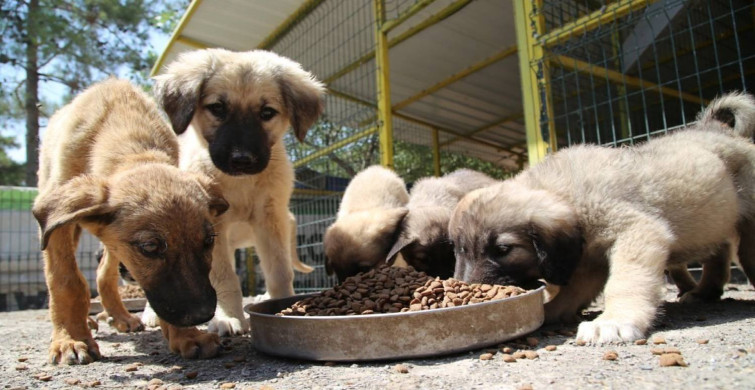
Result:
[[423, 240], [367, 223], [595, 219], [231, 110], [109, 164]]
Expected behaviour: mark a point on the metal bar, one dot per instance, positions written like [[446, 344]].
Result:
[[530, 52], [584, 67], [457, 76], [383, 86], [192, 42], [176, 34], [418, 6], [332, 147], [590, 22], [436, 153], [432, 20], [288, 24], [487, 127], [311, 192]]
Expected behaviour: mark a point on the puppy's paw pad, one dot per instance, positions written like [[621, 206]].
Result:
[[69, 351], [228, 326], [608, 332], [149, 318]]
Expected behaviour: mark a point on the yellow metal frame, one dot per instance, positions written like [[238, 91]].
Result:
[[335, 146], [382, 69], [288, 24], [176, 35], [436, 153]]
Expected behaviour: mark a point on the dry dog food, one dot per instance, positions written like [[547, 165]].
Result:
[[393, 290]]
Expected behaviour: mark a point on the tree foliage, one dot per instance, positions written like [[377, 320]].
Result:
[[11, 172], [72, 43]]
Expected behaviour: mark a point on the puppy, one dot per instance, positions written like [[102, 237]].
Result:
[[231, 110], [423, 239], [109, 164], [366, 226], [594, 219]]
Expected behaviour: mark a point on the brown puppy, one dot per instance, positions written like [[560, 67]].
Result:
[[109, 164], [423, 240], [231, 110], [367, 223], [595, 219]]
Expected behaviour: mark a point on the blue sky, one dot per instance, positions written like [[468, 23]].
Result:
[[52, 92]]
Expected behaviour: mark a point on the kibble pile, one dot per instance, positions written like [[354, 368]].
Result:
[[393, 290]]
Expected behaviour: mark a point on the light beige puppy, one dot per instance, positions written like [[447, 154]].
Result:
[[595, 219], [366, 226], [423, 239], [231, 110], [109, 164]]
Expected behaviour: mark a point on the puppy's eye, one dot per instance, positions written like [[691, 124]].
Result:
[[152, 247], [209, 241], [500, 250], [218, 110], [267, 113]]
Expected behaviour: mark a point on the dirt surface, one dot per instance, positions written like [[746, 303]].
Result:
[[142, 360]]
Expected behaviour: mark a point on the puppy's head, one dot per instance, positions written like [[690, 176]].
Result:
[[424, 242], [240, 103], [157, 221], [360, 241], [512, 235]]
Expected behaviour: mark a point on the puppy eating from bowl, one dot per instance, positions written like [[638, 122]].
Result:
[[596, 219], [109, 164]]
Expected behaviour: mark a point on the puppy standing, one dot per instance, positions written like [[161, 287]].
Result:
[[108, 163], [367, 223], [423, 240], [232, 110], [598, 219]]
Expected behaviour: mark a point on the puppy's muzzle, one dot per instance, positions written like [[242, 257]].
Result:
[[244, 162], [187, 309]]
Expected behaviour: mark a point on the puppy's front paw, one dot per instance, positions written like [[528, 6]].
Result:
[[225, 325], [149, 317], [602, 331], [191, 343], [64, 349], [698, 295], [125, 324]]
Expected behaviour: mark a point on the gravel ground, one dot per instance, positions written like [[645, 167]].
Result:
[[141, 360]]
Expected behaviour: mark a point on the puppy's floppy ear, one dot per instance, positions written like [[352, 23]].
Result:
[[302, 95], [81, 197], [179, 89], [400, 244], [557, 240], [218, 204]]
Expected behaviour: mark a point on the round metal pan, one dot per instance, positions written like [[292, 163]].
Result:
[[394, 335]]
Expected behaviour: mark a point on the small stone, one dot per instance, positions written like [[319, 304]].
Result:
[[657, 351], [519, 355], [531, 355], [659, 340], [525, 387], [155, 382], [45, 377], [702, 341], [532, 341], [400, 368], [507, 350], [94, 383], [227, 385], [21, 367], [329, 364], [580, 343], [22, 359], [508, 358], [71, 381], [239, 359], [672, 350], [191, 374], [672, 359], [131, 368], [229, 365], [550, 348], [641, 342], [486, 356], [610, 355]]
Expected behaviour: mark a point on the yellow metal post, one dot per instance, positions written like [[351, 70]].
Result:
[[383, 86], [436, 153], [533, 72]]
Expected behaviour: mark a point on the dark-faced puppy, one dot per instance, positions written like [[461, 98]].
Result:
[[231, 110], [108, 163], [597, 219], [366, 226], [423, 240]]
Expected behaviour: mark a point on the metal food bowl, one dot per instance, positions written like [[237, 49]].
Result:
[[394, 335]]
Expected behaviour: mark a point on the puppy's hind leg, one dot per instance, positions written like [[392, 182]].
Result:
[[634, 287], [747, 248], [716, 273], [107, 285], [229, 317], [273, 244], [71, 340]]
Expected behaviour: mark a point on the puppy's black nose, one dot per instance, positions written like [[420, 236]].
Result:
[[242, 161]]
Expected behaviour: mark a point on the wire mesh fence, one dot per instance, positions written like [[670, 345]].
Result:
[[619, 72]]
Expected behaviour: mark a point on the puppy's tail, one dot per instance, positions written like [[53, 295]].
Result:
[[735, 111]]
